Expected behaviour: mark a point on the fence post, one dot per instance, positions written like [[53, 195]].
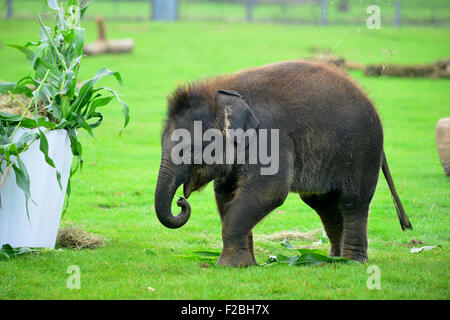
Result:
[[323, 12], [249, 5], [166, 10], [397, 14], [151, 10], [433, 14], [9, 12], [116, 8]]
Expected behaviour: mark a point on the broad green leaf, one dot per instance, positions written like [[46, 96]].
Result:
[[99, 121], [7, 252], [19, 145], [96, 103], [43, 146], [54, 110], [87, 89], [287, 244], [50, 41], [79, 41], [82, 123], [23, 181], [14, 88], [307, 257], [44, 35], [125, 109], [83, 6], [38, 54], [40, 66]]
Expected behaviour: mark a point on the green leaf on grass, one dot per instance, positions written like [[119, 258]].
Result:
[[309, 257], [7, 251]]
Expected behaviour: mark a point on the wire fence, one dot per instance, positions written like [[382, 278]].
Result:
[[331, 12]]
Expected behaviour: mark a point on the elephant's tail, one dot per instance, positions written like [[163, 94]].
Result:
[[404, 221]]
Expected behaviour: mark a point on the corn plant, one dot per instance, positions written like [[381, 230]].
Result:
[[55, 60]]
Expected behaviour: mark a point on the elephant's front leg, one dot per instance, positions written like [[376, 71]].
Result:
[[224, 189], [248, 207]]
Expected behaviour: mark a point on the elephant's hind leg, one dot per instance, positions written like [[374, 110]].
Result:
[[326, 206], [354, 243]]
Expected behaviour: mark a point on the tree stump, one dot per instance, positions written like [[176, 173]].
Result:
[[443, 143]]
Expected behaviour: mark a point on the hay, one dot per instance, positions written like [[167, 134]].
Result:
[[311, 235], [328, 58], [317, 50], [12, 106], [76, 238]]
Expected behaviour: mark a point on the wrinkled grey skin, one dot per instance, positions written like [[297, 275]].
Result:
[[331, 150]]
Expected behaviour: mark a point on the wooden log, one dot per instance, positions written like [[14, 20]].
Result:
[[443, 143], [353, 65], [119, 46], [95, 48], [439, 69], [411, 71], [102, 45]]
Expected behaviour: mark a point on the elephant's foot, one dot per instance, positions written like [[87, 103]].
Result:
[[360, 256], [232, 257], [335, 251]]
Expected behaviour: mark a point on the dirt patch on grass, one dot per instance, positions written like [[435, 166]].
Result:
[[76, 238], [311, 235], [411, 243]]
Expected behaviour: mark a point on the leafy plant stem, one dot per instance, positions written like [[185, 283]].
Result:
[[5, 174], [58, 54], [28, 107]]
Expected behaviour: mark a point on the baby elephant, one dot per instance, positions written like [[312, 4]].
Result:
[[264, 132]]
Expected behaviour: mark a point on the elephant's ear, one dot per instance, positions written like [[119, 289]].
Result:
[[238, 115]]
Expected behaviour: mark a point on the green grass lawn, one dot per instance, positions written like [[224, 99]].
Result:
[[114, 194]]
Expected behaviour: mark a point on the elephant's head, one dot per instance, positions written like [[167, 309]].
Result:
[[181, 147]]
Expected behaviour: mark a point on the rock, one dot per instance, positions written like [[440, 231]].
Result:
[[443, 143]]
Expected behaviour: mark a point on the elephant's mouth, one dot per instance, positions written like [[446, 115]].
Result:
[[196, 184], [187, 190]]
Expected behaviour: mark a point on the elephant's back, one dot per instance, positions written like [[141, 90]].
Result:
[[303, 93], [306, 93]]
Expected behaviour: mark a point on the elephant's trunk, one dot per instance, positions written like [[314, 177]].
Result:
[[169, 179]]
